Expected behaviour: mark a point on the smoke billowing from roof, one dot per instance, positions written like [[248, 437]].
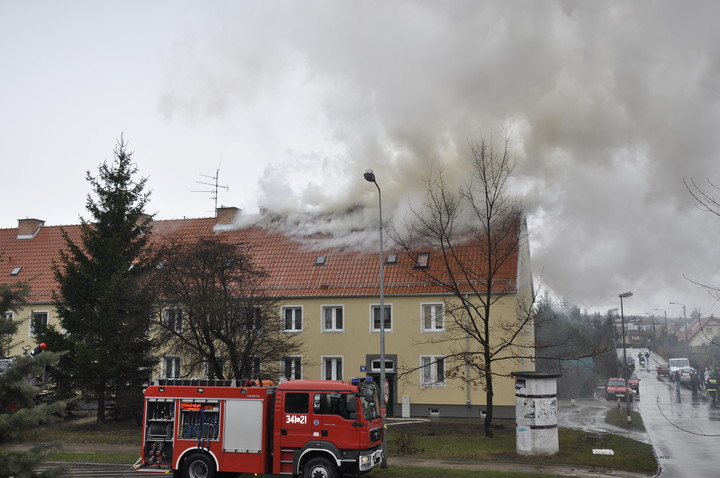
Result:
[[609, 106]]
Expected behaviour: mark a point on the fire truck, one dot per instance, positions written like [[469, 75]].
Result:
[[309, 428]]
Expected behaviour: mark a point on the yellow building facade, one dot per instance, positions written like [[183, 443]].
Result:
[[334, 307]]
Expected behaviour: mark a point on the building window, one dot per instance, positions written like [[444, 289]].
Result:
[[171, 366], [332, 368], [15, 271], [38, 320], [252, 316], [209, 372], [320, 260], [292, 318], [389, 366], [292, 368], [387, 319], [9, 315], [173, 319], [709, 330], [432, 371], [423, 259], [433, 317], [392, 259], [332, 318]]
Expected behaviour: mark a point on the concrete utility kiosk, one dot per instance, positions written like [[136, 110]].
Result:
[[536, 413]]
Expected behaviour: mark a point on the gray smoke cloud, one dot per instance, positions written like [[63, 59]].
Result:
[[609, 106]]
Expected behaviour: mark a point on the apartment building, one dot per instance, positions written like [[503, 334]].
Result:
[[330, 296]]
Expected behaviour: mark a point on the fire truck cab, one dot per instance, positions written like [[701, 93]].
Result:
[[310, 428]]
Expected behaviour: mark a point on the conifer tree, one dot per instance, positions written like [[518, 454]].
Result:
[[19, 409], [103, 306]]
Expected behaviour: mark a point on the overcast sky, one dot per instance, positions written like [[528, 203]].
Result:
[[610, 104]]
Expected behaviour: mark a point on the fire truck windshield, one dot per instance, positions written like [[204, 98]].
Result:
[[370, 400]]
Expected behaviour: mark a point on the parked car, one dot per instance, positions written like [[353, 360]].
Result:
[[662, 369], [616, 388], [681, 365], [634, 383]]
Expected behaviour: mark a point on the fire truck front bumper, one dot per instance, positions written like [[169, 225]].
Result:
[[371, 459]]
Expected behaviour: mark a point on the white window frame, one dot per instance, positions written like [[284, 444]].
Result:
[[166, 319], [32, 320], [375, 365], [429, 370], [374, 307], [334, 360], [293, 329], [175, 366], [295, 363], [333, 329], [9, 315], [433, 317]]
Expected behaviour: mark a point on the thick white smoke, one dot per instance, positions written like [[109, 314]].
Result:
[[610, 106]]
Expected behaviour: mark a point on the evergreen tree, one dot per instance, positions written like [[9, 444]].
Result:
[[19, 409], [103, 305]]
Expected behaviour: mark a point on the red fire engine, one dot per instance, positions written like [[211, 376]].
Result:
[[310, 428]]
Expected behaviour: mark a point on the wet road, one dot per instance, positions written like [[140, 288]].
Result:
[[685, 435]]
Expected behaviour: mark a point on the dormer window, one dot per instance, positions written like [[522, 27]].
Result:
[[391, 259], [423, 259], [15, 271], [320, 260]]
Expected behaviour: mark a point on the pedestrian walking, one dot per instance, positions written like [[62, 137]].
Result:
[[676, 379]]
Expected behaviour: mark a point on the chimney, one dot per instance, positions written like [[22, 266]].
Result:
[[143, 218], [27, 228], [226, 215]]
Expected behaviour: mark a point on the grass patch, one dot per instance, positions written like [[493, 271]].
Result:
[[441, 439], [82, 432], [457, 442], [618, 418]]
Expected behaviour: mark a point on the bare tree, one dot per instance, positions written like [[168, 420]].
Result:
[[454, 222], [214, 311]]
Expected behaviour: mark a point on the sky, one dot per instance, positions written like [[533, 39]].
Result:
[[609, 106]]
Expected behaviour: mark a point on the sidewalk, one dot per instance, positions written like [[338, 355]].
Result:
[[470, 465]]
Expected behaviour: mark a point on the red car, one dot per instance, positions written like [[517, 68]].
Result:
[[634, 383], [616, 388]]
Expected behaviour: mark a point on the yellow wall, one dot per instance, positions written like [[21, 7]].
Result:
[[406, 340]]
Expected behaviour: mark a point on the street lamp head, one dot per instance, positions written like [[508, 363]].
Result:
[[625, 295], [676, 303], [369, 175]]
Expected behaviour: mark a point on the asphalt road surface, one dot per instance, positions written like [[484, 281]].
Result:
[[686, 433]]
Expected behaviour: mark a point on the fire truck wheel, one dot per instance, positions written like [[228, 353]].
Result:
[[198, 465], [320, 467]]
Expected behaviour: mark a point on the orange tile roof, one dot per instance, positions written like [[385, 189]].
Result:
[[289, 262]]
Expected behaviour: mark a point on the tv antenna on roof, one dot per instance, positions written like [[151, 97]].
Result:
[[215, 185]]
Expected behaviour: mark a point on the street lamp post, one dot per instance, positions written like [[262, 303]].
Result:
[[666, 327], [687, 342], [625, 295], [370, 177]]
